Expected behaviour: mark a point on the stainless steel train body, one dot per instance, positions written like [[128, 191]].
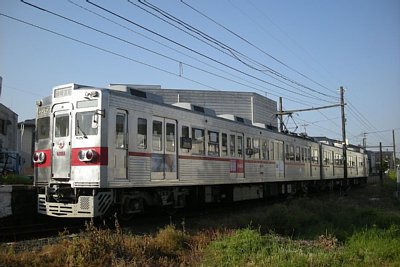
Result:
[[98, 149]]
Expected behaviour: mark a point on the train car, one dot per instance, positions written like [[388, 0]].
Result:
[[123, 149]]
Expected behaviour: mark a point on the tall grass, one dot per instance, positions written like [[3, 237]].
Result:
[[360, 229]]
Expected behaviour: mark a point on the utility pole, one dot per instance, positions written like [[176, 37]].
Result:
[[365, 141], [280, 115], [394, 151], [343, 133]]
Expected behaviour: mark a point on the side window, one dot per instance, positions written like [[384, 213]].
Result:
[[240, 146], [297, 153], [249, 145], [315, 156], [198, 144], [271, 150], [186, 142], [264, 149], [213, 143], [170, 137], [142, 133], [224, 145], [256, 148], [232, 145], [120, 131], [303, 154], [287, 152], [157, 135]]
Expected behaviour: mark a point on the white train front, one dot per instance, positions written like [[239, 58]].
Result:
[[122, 149]]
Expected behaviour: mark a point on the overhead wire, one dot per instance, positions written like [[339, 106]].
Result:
[[193, 50], [253, 45], [105, 50], [146, 49], [232, 51]]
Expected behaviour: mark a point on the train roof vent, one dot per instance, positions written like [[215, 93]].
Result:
[[232, 117], [135, 90], [195, 108]]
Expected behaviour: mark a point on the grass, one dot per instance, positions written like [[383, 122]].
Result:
[[360, 229]]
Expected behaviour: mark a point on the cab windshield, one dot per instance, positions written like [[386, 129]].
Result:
[[86, 124]]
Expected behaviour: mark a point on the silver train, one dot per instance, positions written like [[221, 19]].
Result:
[[122, 149]]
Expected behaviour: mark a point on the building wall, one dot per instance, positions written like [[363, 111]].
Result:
[[26, 134], [8, 129], [251, 106]]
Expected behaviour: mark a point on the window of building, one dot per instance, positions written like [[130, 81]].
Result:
[[142, 133], [3, 127], [198, 144], [213, 143]]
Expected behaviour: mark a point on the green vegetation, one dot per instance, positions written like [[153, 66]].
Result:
[[11, 178], [359, 229], [392, 174]]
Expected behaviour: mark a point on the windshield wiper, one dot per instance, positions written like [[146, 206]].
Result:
[[79, 128]]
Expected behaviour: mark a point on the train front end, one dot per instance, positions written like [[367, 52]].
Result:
[[70, 155]]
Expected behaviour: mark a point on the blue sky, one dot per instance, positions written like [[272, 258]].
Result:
[[323, 45]]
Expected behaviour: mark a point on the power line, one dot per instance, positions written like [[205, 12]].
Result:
[[106, 50], [194, 51], [148, 50], [232, 51], [253, 45]]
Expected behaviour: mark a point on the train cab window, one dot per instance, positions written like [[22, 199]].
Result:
[[271, 150], [142, 133], [240, 146], [120, 131], [43, 128], [62, 125], [198, 144], [232, 145], [213, 143], [224, 145], [264, 149], [315, 156], [84, 124], [297, 153], [157, 135], [170, 137]]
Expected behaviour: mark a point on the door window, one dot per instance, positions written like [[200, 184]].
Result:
[[62, 125]]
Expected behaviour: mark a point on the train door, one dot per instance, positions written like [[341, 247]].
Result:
[[164, 150], [61, 149], [121, 145]]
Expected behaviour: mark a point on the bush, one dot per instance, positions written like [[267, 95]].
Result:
[[11, 178]]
